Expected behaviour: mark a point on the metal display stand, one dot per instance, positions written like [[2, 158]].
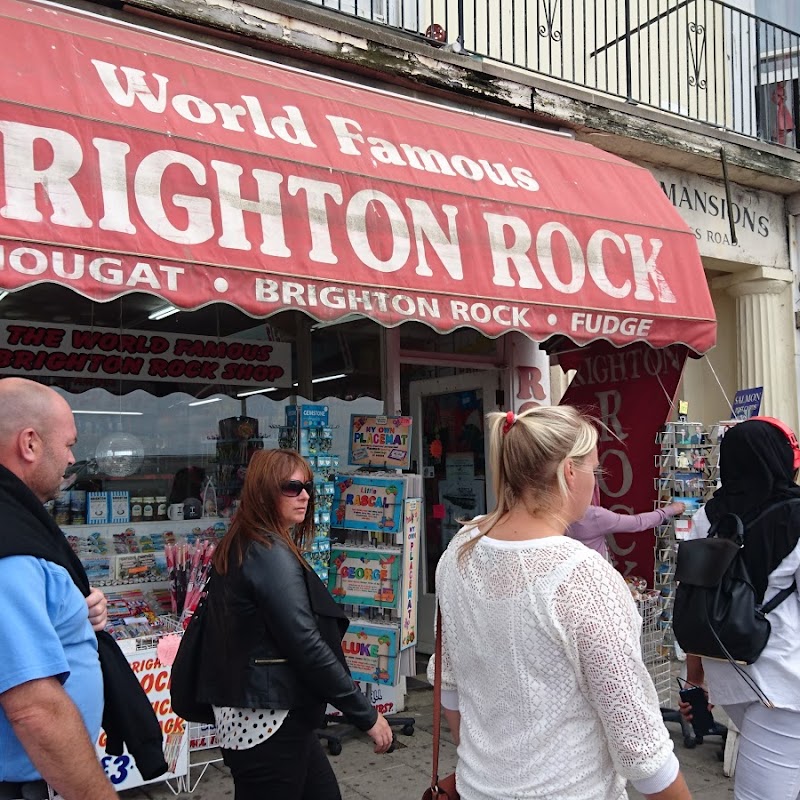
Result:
[[688, 465], [308, 431], [370, 567], [202, 738], [187, 784]]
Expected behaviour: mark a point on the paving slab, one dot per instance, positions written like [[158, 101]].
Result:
[[405, 773]]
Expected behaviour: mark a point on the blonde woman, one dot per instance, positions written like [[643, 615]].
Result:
[[543, 682]]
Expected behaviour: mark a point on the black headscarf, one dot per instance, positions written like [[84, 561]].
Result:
[[756, 470]]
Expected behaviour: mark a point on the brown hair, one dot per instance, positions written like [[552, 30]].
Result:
[[257, 516]]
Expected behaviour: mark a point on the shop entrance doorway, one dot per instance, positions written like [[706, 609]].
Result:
[[450, 450]]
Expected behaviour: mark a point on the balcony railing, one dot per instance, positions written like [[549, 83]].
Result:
[[700, 59]]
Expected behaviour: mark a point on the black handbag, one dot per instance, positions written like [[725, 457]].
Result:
[[186, 667]]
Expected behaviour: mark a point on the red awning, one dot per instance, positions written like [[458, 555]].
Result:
[[136, 161]]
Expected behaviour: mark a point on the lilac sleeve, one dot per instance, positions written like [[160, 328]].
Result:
[[629, 523]]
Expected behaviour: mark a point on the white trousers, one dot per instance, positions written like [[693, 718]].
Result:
[[768, 765]]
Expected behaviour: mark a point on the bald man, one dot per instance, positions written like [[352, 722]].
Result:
[[51, 686]]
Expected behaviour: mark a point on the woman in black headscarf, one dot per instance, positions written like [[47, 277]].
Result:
[[759, 459]]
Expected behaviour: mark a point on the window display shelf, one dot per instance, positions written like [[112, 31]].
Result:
[[134, 553], [153, 476]]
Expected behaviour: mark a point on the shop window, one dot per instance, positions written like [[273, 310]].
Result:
[[151, 395]]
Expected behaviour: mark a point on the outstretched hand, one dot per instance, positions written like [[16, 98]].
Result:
[[675, 509]]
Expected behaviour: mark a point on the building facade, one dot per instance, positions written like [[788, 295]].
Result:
[[674, 119]]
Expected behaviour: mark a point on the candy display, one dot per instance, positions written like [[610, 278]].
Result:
[[139, 553], [133, 613], [189, 567]]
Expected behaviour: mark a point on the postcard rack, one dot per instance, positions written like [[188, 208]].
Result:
[[688, 468], [687, 473]]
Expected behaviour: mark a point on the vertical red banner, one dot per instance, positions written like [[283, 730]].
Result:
[[630, 390]]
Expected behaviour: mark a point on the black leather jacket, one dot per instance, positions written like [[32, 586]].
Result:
[[273, 640]]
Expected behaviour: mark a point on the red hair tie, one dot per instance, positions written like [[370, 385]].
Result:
[[511, 418]]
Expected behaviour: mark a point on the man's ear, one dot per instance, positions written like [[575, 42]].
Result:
[[28, 444]]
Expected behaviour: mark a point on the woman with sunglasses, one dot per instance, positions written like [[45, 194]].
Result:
[[272, 656]]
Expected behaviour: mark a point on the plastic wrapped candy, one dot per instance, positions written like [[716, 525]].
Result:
[[637, 586]]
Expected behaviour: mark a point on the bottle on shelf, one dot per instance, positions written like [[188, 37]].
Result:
[[148, 508], [137, 512]]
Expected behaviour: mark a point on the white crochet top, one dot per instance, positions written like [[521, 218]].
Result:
[[541, 642]]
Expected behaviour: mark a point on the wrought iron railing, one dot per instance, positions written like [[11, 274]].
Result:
[[701, 59]]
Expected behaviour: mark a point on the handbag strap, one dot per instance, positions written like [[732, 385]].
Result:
[[789, 590], [437, 701], [779, 598], [770, 508]]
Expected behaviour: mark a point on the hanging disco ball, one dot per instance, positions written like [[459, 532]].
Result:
[[119, 455]]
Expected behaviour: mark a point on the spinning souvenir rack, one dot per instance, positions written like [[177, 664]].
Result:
[[373, 575], [688, 467], [687, 474], [365, 530]]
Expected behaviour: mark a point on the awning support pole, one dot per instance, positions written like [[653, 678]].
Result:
[[390, 371]]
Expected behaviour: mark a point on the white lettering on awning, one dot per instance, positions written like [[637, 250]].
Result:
[[382, 234]]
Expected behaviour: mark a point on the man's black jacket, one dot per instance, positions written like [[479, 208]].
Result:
[[128, 717]]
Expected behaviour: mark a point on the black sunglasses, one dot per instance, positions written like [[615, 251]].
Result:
[[293, 488]]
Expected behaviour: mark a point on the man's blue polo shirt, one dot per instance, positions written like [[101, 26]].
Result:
[[44, 632]]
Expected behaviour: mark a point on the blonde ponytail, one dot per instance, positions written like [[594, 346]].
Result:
[[527, 455]]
